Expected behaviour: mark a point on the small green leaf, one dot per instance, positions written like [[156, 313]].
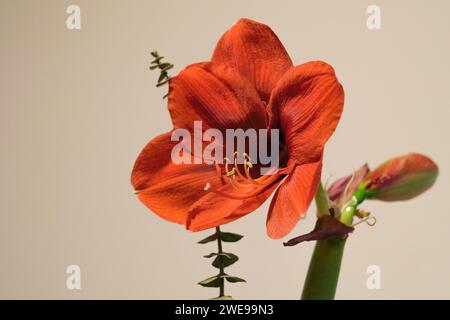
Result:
[[170, 66], [211, 282], [210, 255], [153, 67], [162, 76], [224, 236], [164, 65], [230, 237], [154, 54], [223, 298], [224, 260], [233, 279], [162, 83], [211, 238], [157, 60]]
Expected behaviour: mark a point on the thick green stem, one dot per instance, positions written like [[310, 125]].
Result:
[[323, 273], [221, 269]]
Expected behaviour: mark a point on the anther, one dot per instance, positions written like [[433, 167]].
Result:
[[231, 173]]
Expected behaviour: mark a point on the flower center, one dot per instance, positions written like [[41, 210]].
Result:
[[243, 185]]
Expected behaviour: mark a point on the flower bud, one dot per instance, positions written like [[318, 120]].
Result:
[[400, 178]]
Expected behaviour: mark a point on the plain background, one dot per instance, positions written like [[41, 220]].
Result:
[[78, 106]]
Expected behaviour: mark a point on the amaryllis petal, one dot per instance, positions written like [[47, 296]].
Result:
[[309, 101], [215, 210], [166, 188], [292, 199], [256, 52], [217, 96], [211, 211]]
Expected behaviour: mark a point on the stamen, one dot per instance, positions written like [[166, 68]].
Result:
[[236, 167], [245, 186], [231, 173]]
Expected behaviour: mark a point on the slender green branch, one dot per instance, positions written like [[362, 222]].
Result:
[[163, 67], [221, 261], [221, 267]]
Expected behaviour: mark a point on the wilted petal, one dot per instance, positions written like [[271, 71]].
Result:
[[326, 227]]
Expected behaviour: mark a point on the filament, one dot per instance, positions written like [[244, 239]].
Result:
[[244, 185]]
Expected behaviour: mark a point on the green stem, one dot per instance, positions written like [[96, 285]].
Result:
[[322, 202], [221, 269], [323, 273]]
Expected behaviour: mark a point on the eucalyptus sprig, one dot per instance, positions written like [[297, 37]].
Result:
[[164, 67], [221, 261]]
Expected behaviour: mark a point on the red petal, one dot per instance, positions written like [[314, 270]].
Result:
[[255, 50], [165, 188], [216, 95], [215, 210], [309, 101], [292, 199], [211, 211]]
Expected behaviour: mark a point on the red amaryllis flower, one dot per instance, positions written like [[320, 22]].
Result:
[[250, 82]]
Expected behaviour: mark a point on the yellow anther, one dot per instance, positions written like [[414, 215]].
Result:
[[231, 173]]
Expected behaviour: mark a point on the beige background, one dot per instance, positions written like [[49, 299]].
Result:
[[78, 106]]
